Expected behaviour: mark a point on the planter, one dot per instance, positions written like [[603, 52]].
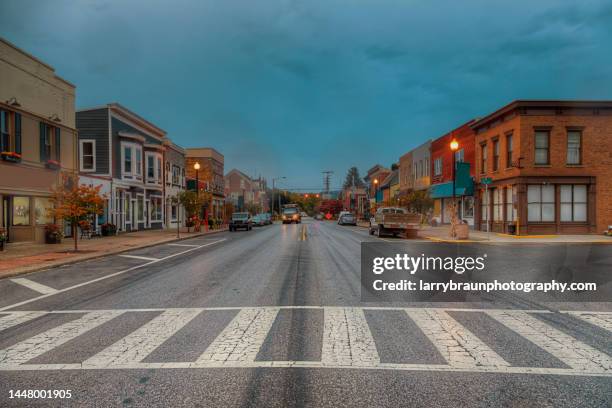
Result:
[[463, 231], [11, 157], [53, 239], [108, 230], [53, 165]]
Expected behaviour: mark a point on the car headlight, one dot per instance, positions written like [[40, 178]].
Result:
[[295, 217], [284, 217]]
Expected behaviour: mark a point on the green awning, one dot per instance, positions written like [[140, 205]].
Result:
[[464, 185]]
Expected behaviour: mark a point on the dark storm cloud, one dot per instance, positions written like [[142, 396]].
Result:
[[296, 87]]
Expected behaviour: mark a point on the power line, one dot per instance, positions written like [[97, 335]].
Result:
[[326, 180]]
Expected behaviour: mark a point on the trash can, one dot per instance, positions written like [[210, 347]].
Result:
[[511, 229]]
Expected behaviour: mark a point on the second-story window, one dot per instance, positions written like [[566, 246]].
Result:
[[496, 155], [438, 166], [50, 141], [176, 175], [88, 155], [509, 148], [127, 160], [542, 143], [10, 132], [574, 142], [483, 158], [150, 168], [154, 168], [459, 156]]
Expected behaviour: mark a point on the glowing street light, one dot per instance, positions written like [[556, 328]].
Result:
[[454, 146]]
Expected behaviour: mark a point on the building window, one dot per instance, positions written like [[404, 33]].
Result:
[[468, 207], [155, 209], [542, 142], [509, 148], [5, 132], [138, 152], [541, 203], [484, 206], [140, 208], [173, 212], [510, 209], [159, 170], [438, 166], [183, 178], [426, 167], [154, 169], [168, 179], [496, 155], [21, 210], [415, 170], [483, 158], [459, 156], [150, 168], [573, 203], [574, 147], [498, 204], [176, 175], [127, 160], [88, 155], [42, 214]]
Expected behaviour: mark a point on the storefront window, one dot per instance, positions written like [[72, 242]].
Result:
[[573, 203], [156, 209], [140, 203], [42, 213], [468, 207], [541, 203], [498, 202], [21, 210], [484, 206], [510, 209]]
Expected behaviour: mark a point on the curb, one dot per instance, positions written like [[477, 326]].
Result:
[[10, 274]]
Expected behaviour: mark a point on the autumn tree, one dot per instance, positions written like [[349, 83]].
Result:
[[74, 203]]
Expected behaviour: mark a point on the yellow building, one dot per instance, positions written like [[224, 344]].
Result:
[[37, 140]]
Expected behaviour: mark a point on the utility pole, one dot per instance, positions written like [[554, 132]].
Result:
[[272, 201], [326, 181]]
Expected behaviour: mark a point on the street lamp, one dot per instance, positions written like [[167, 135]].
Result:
[[454, 146], [196, 167]]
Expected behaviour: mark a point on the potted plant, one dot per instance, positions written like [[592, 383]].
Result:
[[11, 157], [53, 234], [108, 229], [52, 164], [3, 238]]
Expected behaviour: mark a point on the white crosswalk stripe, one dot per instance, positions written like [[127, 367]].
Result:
[[458, 346], [15, 318], [241, 340], [603, 320], [348, 341], [48, 340], [570, 351], [139, 344]]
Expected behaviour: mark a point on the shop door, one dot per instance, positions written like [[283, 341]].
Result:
[[6, 216]]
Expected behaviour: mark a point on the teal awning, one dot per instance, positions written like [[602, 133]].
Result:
[[464, 185]]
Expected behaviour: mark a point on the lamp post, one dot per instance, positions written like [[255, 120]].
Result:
[[196, 167], [273, 181], [454, 146]]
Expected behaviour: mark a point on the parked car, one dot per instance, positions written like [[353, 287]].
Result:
[[394, 221], [291, 214], [259, 220], [347, 218], [319, 217], [241, 220], [267, 218]]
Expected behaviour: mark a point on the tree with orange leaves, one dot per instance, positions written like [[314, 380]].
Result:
[[75, 203]]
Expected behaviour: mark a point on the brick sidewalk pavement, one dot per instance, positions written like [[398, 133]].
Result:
[[19, 258]]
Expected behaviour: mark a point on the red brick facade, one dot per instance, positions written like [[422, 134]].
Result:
[[569, 191]]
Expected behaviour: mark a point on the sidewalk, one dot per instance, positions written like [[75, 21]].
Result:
[[442, 233], [19, 258]]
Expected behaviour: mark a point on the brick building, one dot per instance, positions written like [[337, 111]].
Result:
[[210, 175], [551, 167], [442, 175]]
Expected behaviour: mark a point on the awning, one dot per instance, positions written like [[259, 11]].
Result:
[[464, 185]]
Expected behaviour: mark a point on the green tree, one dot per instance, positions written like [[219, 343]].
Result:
[[417, 201], [353, 179]]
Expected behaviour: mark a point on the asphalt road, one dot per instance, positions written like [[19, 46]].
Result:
[[274, 317]]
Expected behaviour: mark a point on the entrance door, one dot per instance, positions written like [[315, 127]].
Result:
[[128, 211], [6, 215]]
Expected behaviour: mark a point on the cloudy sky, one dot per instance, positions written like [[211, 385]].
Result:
[[293, 88]]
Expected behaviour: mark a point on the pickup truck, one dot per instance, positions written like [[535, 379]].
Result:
[[394, 221]]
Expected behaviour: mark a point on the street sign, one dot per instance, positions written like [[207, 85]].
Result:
[[486, 180]]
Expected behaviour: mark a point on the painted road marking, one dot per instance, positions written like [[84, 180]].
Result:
[[16, 318], [241, 340], [347, 339], [35, 286], [48, 340], [347, 342], [142, 342], [459, 347], [25, 302], [603, 320], [183, 245], [570, 351], [144, 258]]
